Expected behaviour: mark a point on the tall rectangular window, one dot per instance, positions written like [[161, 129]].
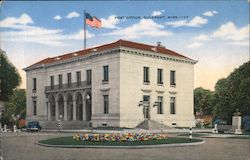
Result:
[[34, 107], [172, 78], [60, 80], [160, 105], [172, 105], [159, 76], [78, 78], [88, 72], [146, 74], [34, 85], [69, 79], [106, 104], [105, 73], [52, 82]]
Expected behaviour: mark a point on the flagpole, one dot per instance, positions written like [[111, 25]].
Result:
[[84, 30]]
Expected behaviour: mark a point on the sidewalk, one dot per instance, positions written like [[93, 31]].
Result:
[[135, 130]]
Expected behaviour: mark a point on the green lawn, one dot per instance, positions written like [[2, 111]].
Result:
[[71, 141]]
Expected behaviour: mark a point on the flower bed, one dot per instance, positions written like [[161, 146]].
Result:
[[119, 137]]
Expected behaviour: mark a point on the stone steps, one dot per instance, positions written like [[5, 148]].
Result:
[[152, 125], [69, 125]]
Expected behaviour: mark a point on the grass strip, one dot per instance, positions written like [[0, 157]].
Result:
[[71, 141]]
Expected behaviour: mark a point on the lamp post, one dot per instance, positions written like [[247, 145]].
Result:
[[60, 122], [156, 103], [88, 106], [190, 133], [88, 97], [146, 108]]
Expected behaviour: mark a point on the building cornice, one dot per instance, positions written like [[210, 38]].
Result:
[[157, 55], [93, 54], [120, 49]]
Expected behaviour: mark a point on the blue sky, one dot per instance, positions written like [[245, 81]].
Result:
[[216, 33]]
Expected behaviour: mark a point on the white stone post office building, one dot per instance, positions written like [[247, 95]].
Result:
[[115, 85]]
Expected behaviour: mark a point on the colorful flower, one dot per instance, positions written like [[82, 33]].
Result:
[[118, 137]]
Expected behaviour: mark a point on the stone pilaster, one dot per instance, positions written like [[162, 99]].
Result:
[[74, 107], [84, 109], [65, 108], [49, 114], [57, 111]]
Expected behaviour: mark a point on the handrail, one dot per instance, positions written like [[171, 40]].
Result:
[[76, 85]]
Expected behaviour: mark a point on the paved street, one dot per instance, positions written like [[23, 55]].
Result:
[[21, 146]]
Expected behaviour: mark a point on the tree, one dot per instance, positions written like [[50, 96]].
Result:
[[203, 101], [221, 100], [9, 77], [16, 108], [244, 96], [233, 93]]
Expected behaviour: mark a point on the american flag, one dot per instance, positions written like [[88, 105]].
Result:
[[92, 21]]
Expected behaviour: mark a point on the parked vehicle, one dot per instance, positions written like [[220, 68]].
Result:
[[219, 121], [33, 126], [222, 128]]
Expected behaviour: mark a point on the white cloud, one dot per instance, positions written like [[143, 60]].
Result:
[[198, 41], [210, 13], [202, 37], [215, 12], [230, 32], [194, 45], [51, 37], [197, 21], [157, 13], [79, 35], [73, 15], [24, 19], [227, 33], [177, 23], [145, 27], [110, 22], [57, 17], [233, 34], [34, 34]]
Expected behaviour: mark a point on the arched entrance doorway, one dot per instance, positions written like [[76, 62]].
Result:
[[70, 107], [52, 108], [79, 107], [60, 106]]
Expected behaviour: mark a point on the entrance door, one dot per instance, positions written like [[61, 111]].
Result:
[[146, 103]]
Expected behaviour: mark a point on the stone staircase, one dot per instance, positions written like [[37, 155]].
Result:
[[66, 125], [152, 125]]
